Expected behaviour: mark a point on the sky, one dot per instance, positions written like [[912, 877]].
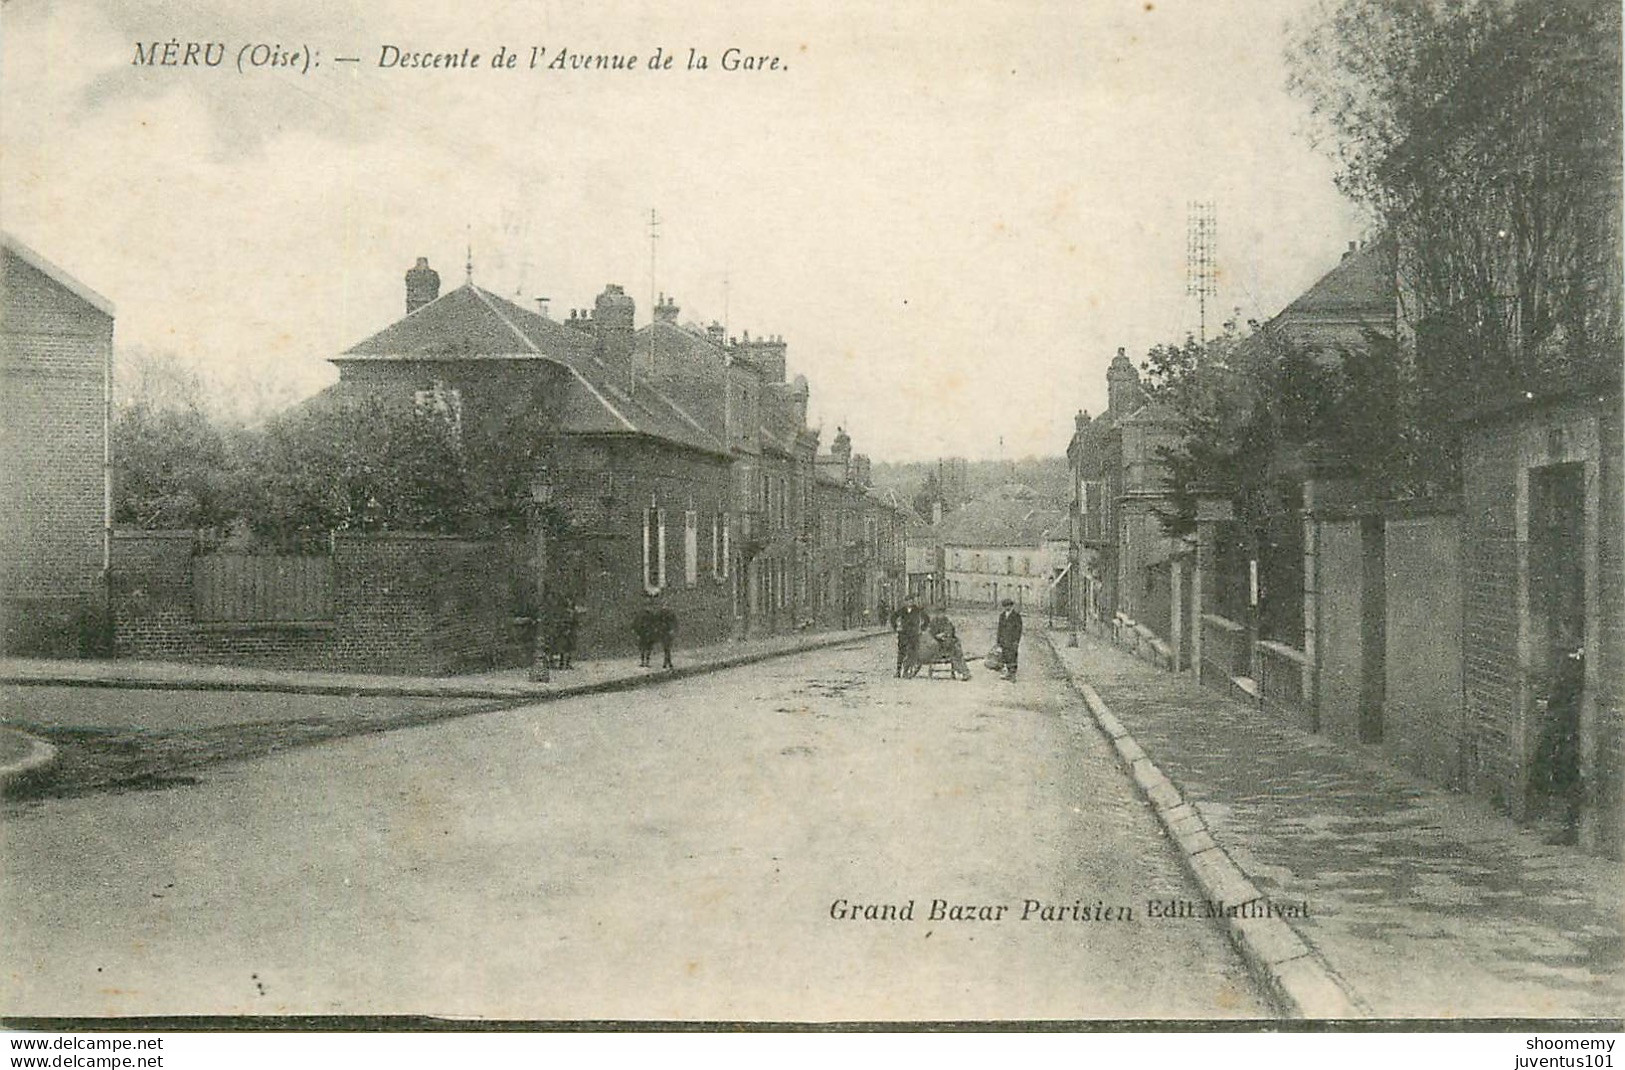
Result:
[[953, 213]]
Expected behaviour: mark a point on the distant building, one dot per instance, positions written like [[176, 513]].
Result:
[[1119, 547], [56, 361], [1007, 544]]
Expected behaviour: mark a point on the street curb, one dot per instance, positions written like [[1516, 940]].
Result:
[[517, 695], [40, 754], [1291, 971]]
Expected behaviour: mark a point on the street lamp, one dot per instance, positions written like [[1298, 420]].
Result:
[[541, 496]]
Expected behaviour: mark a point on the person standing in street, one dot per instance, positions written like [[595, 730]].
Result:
[[666, 632], [910, 619], [645, 626], [1009, 637]]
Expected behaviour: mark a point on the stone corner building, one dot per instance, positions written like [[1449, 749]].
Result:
[[56, 354], [682, 461]]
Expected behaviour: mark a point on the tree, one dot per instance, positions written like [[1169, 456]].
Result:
[[359, 461], [342, 463], [1484, 135], [1255, 412], [173, 466]]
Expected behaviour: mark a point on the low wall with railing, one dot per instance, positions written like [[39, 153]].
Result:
[[1224, 650], [1280, 683]]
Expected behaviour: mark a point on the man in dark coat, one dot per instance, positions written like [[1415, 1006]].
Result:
[[1009, 637], [665, 632], [1556, 770], [646, 626], [910, 619]]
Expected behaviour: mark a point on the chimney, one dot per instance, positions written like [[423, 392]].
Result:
[[936, 511], [717, 334], [1081, 420], [1122, 387], [798, 402], [1350, 250], [768, 353], [541, 307], [666, 310], [422, 285], [860, 470], [612, 320], [841, 450]]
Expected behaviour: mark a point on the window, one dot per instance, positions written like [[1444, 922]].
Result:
[[654, 549], [691, 548], [443, 401], [1009, 565]]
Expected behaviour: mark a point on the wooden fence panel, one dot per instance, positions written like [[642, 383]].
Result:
[[258, 588]]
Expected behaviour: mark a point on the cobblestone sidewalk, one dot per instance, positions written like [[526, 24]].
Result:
[[1425, 902]]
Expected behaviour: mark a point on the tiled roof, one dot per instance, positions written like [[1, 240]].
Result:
[[1000, 522], [1362, 282], [891, 499], [469, 323]]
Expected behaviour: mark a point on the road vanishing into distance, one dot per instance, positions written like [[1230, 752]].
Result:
[[804, 839]]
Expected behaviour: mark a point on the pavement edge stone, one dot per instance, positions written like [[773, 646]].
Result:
[[518, 694], [40, 754], [1299, 983]]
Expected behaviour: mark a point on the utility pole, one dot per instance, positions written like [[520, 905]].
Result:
[[1201, 259]]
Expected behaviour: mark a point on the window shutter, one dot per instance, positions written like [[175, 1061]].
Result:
[[691, 548]]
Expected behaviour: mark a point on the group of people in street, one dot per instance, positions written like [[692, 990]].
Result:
[[926, 635]]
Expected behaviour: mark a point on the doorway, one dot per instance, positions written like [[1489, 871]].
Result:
[[1557, 619]]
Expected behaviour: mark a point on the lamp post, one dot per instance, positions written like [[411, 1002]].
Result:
[[541, 496]]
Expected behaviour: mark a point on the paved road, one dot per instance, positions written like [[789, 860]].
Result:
[[673, 852]]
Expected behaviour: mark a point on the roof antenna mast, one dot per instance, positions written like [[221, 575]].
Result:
[[468, 265], [654, 307], [1201, 265]]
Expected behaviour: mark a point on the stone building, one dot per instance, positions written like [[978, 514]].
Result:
[[683, 462], [1119, 550], [647, 487], [56, 361], [1007, 544]]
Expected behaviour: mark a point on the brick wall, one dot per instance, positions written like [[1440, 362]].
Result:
[[1492, 558], [606, 484], [1503, 636], [54, 348], [411, 604]]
